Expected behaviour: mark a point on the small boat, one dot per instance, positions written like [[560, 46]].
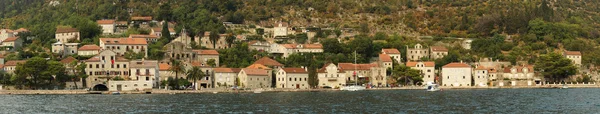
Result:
[[565, 86], [353, 88], [116, 93], [215, 92], [258, 91], [431, 86]]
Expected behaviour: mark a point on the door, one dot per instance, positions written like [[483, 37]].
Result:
[[297, 86], [119, 88]]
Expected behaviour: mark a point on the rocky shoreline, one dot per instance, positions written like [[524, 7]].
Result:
[[205, 91]]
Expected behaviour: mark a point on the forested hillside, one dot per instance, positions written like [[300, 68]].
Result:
[[534, 26]]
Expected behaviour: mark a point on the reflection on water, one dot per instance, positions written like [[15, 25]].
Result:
[[383, 101]]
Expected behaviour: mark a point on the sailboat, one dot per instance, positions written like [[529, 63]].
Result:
[[354, 87]]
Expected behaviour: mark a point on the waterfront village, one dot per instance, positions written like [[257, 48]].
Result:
[[123, 64]]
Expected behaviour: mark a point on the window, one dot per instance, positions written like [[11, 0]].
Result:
[[428, 70], [134, 85], [118, 65], [448, 77], [290, 79], [124, 66], [137, 71], [147, 78], [97, 66], [463, 77], [112, 66]]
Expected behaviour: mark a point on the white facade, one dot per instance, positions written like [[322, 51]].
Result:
[[456, 75], [330, 76], [280, 30], [416, 53], [481, 76], [292, 78], [427, 69]]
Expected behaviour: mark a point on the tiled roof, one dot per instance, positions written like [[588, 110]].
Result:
[[350, 66], [385, 58], [124, 41], [456, 65], [255, 72], [14, 63], [21, 30], [1, 55], [492, 70], [164, 66], [141, 18], [143, 64], [481, 68], [206, 52], [143, 36], [439, 49], [89, 47], [573, 52], [294, 70], [7, 30], [1, 66], [390, 51], [11, 39], [107, 21], [426, 63], [259, 66], [68, 60], [267, 62], [227, 70], [66, 30]]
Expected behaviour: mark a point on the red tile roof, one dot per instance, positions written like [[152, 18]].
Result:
[[107, 21], [390, 51], [427, 64], [11, 39], [164, 66], [439, 49], [385, 58], [227, 70], [21, 30], [267, 62], [255, 72], [89, 47], [481, 68], [68, 60], [124, 41], [350, 66], [573, 52], [294, 70], [66, 30], [456, 65], [141, 18], [14, 63], [259, 66]]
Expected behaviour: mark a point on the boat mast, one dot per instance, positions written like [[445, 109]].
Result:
[[355, 74]]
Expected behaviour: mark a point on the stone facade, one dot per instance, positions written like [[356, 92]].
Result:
[[427, 69], [254, 78], [122, 45], [331, 76], [64, 35], [293, 78], [456, 75], [416, 53]]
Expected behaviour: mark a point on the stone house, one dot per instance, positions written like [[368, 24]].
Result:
[[7, 33], [226, 77], [416, 53], [254, 78], [12, 43], [149, 38], [259, 45], [10, 66], [386, 61], [427, 69], [331, 76], [394, 53], [296, 78], [122, 45], [287, 49], [106, 65], [65, 49], [108, 26], [371, 73], [157, 31], [66, 34], [221, 42], [438, 52], [142, 21], [456, 74], [481, 76], [88, 50], [574, 56]]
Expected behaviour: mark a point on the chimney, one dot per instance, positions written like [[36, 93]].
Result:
[[461, 61]]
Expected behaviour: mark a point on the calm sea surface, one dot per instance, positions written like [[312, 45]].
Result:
[[523, 101]]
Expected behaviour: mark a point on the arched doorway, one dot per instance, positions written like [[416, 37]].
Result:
[[100, 87]]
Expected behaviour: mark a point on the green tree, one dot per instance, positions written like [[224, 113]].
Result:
[[211, 63], [165, 32], [230, 39], [404, 73], [214, 36], [177, 67], [260, 31], [195, 73], [133, 55], [88, 29], [38, 73], [555, 67], [165, 13]]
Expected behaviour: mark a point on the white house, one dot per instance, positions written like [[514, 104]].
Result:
[[65, 34], [331, 76], [416, 53], [427, 69], [280, 30], [296, 78], [122, 45], [394, 53], [87, 50], [481, 76], [108, 26], [456, 74], [225, 77], [575, 57]]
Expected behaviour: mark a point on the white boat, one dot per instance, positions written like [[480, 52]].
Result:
[[116, 93], [258, 91], [565, 86], [431, 86], [353, 88]]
